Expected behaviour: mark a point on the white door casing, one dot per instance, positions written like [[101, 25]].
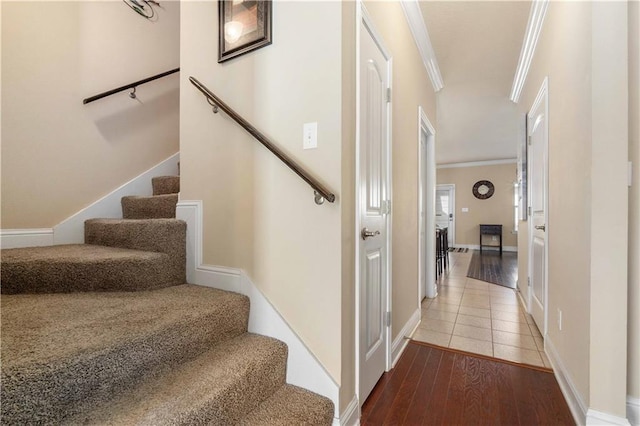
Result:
[[538, 140], [373, 212], [426, 208]]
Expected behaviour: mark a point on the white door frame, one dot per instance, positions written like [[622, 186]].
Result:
[[363, 18], [427, 189], [542, 96], [451, 187]]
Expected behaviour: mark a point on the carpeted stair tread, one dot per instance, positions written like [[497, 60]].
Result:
[[154, 207], [61, 353], [165, 185], [218, 387], [81, 267], [168, 236], [291, 405]]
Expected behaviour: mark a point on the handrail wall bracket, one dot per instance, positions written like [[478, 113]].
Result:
[[321, 193]]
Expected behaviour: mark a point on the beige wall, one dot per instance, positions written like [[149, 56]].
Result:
[[609, 227], [495, 210], [348, 202], [587, 158], [59, 155], [564, 56], [258, 215], [633, 355], [411, 89]]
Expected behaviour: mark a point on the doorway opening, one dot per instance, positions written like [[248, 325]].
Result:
[[445, 210]]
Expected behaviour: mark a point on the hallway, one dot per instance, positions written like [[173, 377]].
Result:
[[479, 317]]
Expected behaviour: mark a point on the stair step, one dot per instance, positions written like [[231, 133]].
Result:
[[64, 354], [165, 185], [154, 207], [219, 387], [168, 236], [292, 405], [82, 267]]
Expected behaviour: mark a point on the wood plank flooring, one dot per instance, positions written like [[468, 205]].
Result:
[[438, 386], [493, 268]]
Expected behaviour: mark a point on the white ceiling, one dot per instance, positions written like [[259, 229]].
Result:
[[477, 45]]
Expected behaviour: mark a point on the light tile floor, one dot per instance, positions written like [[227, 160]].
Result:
[[479, 317]]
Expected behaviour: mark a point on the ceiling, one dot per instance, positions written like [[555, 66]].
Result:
[[477, 45]]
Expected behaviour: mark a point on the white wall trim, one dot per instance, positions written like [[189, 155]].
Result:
[[303, 368], [478, 163], [402, 340], [71, 230], [487, 248], [420, 33], [426, 206], [18, 238], [351, 414], [633, 410], [598, 418], [532, 34], [571, 395]]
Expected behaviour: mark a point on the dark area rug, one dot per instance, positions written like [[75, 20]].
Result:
[[493, 268], [458, 250]]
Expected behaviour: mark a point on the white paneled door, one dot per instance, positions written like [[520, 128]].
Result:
[[538, 135], [374, 210]]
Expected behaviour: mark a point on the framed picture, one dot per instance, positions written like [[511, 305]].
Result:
[[244, 25]]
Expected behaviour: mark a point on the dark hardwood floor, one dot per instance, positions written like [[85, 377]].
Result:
[[493, 268], [437, 386]]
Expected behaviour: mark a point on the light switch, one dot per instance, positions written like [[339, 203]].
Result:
[[310, 135], [465, 210]]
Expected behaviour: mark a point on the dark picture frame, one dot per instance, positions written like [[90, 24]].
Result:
[[244, 26]]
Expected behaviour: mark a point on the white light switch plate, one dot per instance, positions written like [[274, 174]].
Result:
[[310, 135], [465, 209]]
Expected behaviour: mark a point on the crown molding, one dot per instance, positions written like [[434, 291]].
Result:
[[531, 35], [418, 28], [477, 163]]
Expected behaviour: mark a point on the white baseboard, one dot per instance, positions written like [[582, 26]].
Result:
[[598, 418], [633, 410], [303, 367], [71, 230], [571, 395], [350, 415], [486, 248], [401, 341], [18, 238]]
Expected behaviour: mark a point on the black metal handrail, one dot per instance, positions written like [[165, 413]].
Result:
[[129, 86], [321, 192]]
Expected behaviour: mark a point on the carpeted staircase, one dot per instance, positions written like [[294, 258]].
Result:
[[107, 332]]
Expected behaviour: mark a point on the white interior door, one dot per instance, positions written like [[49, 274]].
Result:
[[538, 142], [373, 211], [445, 210]]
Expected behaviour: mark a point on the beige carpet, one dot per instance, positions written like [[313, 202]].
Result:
[[108, 333]]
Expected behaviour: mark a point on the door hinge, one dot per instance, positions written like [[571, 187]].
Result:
[[387, 319], [529, 210], [528, 281], [386, 207], [529, 140], [389, 94]]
